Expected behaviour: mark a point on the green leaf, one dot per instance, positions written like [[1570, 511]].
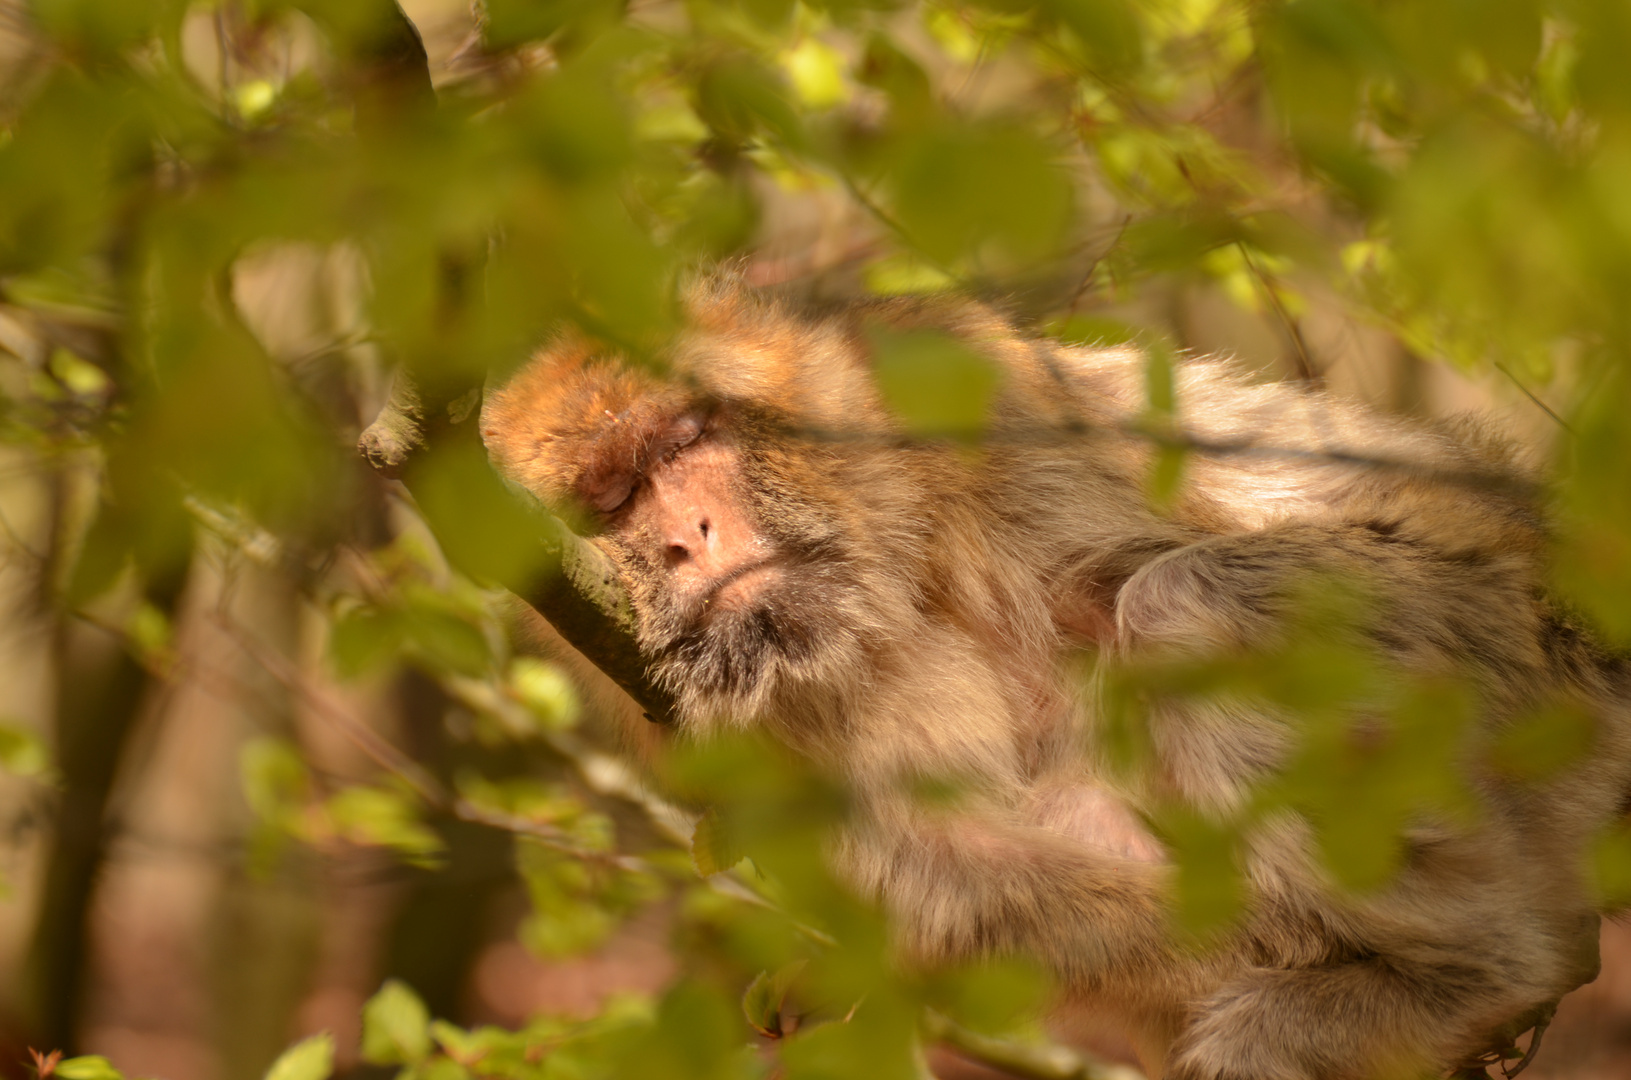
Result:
[[699, 1035], [568, 929], [374, 816], [1108, 31], [570, 912], [936, 384], [89, 1067], [740, 99], [1210, 891], [772, 15], [22, 753], [546, 691], [766, 994], [576, 125], [79, 376], [455, 1041], [512, 22], [309, 1059], [1542, 744], [880, 1038], [275, 781], [817, 73], [1093, 331], [441, 1068], [958, 189], [102, 24], [905, 275], [1160, 394], [996, 997], [395, 1026], [1345, 30], [363, 639], [105, 553], [886, 67], [150, 632], [713, 851], [445, 642], [525, 798], [486, 530], [1166, 475], [1611, 866]]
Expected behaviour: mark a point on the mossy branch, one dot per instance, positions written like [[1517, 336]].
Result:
[[572, 583]]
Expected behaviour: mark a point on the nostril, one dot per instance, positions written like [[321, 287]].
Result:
[[678, 553], [702, 527]]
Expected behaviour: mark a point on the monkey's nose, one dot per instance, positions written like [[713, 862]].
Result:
[[689, 544]]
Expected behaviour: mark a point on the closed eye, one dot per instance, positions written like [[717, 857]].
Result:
[[683, 435], [612, 499]]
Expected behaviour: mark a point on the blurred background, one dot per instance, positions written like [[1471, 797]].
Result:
[[262, 749]]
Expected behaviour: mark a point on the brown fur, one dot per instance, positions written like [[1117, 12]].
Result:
[[927, 603]]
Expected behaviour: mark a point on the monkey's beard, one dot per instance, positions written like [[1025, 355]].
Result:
[[776, 638]]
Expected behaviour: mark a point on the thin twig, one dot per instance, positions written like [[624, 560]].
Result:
[[1053, 434], [1530, 394], [399, 765], [1305, 366], [1093, 267], [601, 772], [548, 836], [377, 748], [978, 68], [223, 51], [894, 225]]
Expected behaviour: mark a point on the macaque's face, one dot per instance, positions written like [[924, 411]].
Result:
[[728, 595], [747, 550], [689, 512]]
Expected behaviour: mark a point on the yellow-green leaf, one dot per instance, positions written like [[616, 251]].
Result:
[[308, 1059]]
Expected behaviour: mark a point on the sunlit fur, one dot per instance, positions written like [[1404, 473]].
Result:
[[930, 618]]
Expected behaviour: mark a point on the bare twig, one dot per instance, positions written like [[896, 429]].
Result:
[[1530, 394], [398, 764], [1074, 430], [364, 738], [601, 772], [894, 225], [548, 836], [1093, 267], [1305, 365]]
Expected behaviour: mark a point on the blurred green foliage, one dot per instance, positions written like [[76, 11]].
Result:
[[1457, 173]]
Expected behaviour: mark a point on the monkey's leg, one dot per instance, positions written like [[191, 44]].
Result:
[[1451, 950], [1436, 608], [964, 886], [1374, 1018]]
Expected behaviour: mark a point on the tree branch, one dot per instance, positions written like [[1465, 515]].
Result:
[[577, 589]]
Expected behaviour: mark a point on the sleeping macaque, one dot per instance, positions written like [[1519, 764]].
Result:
[[895, 609]]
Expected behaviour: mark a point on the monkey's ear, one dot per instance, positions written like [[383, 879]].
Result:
[[575, 424]]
